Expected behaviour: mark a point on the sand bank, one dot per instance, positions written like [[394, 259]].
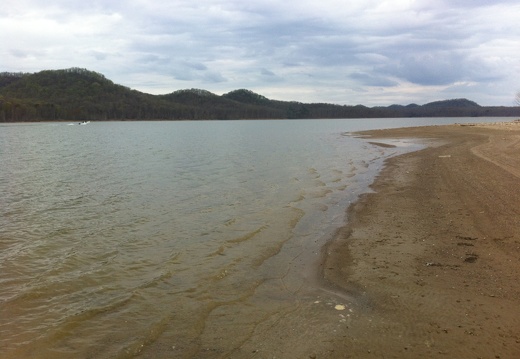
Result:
[[433, 255]]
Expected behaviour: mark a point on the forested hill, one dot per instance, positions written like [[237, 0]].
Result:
[[78, 94]]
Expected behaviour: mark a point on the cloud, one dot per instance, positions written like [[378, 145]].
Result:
[[265, 72], [371, 51], [371, 80], [432, 69], [213, 77], [99, 55]]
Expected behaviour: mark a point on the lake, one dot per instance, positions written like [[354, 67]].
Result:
[[176, 239]]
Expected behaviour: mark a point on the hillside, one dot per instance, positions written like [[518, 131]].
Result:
[[79, 94]]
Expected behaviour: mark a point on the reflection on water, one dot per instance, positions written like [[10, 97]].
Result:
[[163, 239]]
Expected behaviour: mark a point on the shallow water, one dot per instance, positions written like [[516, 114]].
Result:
[[170, 239]]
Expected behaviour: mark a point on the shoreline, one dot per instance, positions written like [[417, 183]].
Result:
[[431, 256], [266, 119]]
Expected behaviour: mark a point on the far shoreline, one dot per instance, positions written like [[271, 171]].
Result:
[[266, 119]]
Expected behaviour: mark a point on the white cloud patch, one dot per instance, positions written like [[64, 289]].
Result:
[[373, 52]]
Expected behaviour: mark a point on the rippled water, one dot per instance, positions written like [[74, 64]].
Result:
[[167, 239]]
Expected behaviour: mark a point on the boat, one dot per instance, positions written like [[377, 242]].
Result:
[[84, 123]]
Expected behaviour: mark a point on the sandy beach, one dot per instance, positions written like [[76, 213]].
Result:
[[433, 254]]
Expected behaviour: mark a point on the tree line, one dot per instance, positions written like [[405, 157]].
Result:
[[78, 94]]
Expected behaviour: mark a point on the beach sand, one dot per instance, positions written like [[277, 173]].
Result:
[[433, 255]]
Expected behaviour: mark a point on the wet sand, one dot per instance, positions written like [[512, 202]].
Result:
[[432, 257]]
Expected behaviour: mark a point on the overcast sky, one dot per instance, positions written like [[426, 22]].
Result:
[[370, 52]]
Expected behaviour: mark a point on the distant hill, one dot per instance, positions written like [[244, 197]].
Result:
[[79, 94], [247, 96], [459, 102]]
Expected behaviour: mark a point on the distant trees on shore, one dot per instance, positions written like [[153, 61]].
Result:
[[80, 94]]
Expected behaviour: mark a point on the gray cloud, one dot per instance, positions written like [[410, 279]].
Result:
[[373, 80], [430, 69], [372, 51], [265, 72]]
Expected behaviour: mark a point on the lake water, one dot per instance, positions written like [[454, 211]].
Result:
[[174, 239]]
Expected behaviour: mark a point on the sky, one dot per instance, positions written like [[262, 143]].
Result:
[[350, 52]]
